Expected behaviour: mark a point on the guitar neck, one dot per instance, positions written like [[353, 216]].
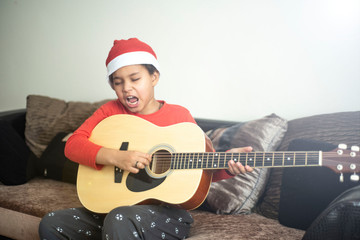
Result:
[[219, 160]]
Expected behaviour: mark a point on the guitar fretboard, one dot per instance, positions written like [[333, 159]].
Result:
[[210, 160]]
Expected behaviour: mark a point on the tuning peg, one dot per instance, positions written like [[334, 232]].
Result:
[[355, 148], [341, 178], [354, 177], [342, 146], [353, 166]]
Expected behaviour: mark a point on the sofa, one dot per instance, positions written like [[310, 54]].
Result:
[[272, 202]]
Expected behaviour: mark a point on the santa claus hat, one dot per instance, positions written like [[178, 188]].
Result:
[[130, 52]]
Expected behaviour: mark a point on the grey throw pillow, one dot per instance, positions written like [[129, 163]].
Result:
[[240, 194]]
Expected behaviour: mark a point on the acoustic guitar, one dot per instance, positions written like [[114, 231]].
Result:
[[181, 170]]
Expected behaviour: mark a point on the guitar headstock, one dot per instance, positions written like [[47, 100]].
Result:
[[343, 160]]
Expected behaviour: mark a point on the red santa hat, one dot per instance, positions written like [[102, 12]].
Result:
[[130, 52]]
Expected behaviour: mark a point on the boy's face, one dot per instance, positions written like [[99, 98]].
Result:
[[134, 87]]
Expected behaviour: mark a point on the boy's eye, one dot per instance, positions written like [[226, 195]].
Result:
[[135, 79], [116, 83]]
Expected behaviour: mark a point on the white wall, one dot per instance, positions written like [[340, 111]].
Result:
[[233, 59]]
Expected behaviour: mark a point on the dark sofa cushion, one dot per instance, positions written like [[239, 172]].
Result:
[[307, 191], [13, 156], [53, 163], [334, 128], [340, 220]]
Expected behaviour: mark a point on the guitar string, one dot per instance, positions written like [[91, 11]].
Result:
[[257, 163], [165, 159], [278, 160]]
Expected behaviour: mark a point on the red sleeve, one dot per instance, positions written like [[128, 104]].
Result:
[[78, 148], [221, 175]]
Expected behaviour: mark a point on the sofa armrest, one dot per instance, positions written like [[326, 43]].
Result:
[[17, 120], [208, 124]]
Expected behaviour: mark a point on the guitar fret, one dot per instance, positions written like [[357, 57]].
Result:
[[185, 159], [197, 161], [258, 160], [227, 158], [223, 162], [288, 161], [192, 160], [178, 160], [212, 159], [187, 165], [220, 158], [182, 161], [207, 161], [216, 159], [268, 159], [294, 159], [203, 160], [243, 159], [273, 162], [263, 159], [250, 159], [230, 156]]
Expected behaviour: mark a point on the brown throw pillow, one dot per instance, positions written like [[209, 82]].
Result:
[[241, 193], [45, 117]]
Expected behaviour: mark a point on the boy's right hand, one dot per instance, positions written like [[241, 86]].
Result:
[[130, 161]]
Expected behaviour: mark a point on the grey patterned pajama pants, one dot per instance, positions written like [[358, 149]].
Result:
[[135, 222]]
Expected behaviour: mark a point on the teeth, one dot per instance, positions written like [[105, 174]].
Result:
[[132, 100]]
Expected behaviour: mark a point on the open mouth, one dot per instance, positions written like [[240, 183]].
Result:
[[132, 100]]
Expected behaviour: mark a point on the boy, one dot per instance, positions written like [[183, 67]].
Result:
[[133, 72]]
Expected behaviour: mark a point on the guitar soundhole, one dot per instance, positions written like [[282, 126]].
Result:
[[160, 162]]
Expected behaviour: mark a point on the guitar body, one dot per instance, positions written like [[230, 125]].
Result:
[[100, 191]]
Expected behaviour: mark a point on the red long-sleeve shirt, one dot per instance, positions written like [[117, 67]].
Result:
[[79, 149]]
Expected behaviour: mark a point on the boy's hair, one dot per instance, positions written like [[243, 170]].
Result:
[[149, 67]]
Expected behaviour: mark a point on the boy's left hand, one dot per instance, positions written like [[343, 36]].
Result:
[[237, 168]]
